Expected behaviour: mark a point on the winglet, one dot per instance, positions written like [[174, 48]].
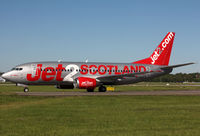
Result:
[[162, 53]]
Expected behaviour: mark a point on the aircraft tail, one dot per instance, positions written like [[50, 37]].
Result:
[[162, 53]]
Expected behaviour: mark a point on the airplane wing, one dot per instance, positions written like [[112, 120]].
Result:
[[121, 76]]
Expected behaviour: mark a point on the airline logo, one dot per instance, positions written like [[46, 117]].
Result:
[[109, 69], [87, 83], [51, 73], [161, 47], [48, 74]]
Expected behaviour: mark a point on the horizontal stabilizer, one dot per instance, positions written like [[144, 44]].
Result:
[[175, 66]]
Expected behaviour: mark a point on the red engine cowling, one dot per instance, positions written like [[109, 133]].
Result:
[[86, 83]]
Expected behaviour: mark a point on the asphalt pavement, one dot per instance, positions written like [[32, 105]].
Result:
[[117, 93]]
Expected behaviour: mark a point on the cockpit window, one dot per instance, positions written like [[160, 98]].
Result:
[[17, 69]]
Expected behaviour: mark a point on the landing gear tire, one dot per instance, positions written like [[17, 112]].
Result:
[[90, 90], [102, 89], [26, 89]]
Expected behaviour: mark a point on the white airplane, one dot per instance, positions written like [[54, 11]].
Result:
[[85, 75]]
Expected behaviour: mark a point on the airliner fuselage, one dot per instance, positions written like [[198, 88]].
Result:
[[88, 76]]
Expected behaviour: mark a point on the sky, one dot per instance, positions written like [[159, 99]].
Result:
[[97, 30]]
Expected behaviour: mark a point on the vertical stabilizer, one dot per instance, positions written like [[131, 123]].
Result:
[[162, 53]]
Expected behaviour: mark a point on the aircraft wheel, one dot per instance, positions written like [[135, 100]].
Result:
[[26, 89], [102, 89], [90, 90]]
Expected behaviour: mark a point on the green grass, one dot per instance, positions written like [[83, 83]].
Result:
[[100, 115], [97, 115], [143, 86]]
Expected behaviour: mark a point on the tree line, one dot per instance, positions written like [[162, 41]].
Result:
[[178, 77]]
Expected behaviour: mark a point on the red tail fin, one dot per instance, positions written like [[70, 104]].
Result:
[[162, 53]]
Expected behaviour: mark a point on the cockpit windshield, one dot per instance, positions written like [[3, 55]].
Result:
[[17, 69]]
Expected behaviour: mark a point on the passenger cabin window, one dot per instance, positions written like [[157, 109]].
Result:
[[17, 69]]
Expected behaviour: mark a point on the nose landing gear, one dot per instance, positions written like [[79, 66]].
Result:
[[26, 89]]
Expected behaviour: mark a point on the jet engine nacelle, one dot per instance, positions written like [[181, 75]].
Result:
[[86, 83]]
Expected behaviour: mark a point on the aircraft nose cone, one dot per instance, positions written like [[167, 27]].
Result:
[[2, 78], [5, 75]]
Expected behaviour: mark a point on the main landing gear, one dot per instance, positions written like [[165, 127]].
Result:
[[101, 89], [90, 90], [26, 89]]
